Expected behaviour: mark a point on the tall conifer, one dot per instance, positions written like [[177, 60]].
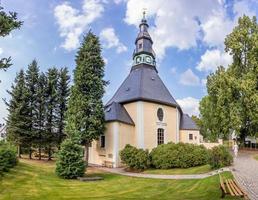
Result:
[[32, 79], [85, 115], [18, 120], [63, 93], [51, 108]]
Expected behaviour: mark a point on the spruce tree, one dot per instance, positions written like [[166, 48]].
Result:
[[18, 120], [32, 79], [51, 108], [85, 114], [63, 93], [40, 138]]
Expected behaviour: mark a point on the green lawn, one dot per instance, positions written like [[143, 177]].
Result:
[[192, 170], [256, 157], [33, 180]]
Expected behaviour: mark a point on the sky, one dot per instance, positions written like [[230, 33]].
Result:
[[188, 39]]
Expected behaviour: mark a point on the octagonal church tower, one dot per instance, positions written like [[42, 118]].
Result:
[[142, 112]]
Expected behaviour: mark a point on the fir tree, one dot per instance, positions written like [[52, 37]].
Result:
[[51, 108], [63, 93], [18, 120], [40, 122], [32, 79], [85, 115], [70, 162]]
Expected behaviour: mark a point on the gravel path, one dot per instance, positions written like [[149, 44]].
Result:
[[159, 176], [245, 170]]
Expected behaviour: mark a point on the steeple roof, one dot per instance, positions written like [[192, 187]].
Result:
[[143, 41], [143, 83]]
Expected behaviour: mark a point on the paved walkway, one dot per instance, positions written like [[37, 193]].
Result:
[[159, 176], [245, 170]]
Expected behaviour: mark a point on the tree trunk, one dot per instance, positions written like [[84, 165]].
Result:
[[49, 153], [19, 151], [30, 153], [39, 152], [86, 152]]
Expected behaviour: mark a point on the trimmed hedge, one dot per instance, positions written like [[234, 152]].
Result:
[[70, 162], [180, 155], [135, 158], [220, 157], [8, 158]]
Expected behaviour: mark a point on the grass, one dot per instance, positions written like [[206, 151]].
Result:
[[192, 170], [34, 180], [256, 157]]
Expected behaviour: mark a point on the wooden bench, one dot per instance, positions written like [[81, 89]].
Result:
[[230, 187]]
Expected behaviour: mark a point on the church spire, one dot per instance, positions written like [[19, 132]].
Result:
[[143, 53]]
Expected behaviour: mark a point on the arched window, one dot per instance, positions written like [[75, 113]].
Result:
[[160, 136]]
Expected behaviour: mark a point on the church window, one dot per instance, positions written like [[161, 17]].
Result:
[[160, 114], [160, 136], [140, 45], [102, 141], [190, 136]]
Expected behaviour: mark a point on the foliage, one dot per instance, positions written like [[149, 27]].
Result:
[[18, 120], [32, 81], [51, 107], [63, 93], [220, 157], [85, 114], [8, 157], [135, 158], [36, 109], [70, 162], [232, 100], [179, 155], [8, 22]]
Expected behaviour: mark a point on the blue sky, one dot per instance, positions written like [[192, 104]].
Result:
[[188, 39]]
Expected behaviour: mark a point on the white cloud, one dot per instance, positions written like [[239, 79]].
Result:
[[105, 60], [73, 22], [189, 78], [111, 40], [189, 105], [242, 7], [216, 28], [173, 70], [176, 24], [119, 1], [1, 50], [211, 59], [182, 25]]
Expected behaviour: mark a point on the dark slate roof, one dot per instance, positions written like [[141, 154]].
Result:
[[186, 123], [117, 112], [143, 83]]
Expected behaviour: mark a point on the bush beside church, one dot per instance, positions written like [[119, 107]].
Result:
[[171, 155]]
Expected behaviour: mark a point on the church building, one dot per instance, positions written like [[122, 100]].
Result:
[[142, 112]]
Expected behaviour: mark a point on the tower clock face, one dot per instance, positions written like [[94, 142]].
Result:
[[148, 59], [144, 58], [138, 59]]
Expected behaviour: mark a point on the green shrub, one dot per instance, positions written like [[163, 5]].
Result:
[[179, 155], [220, 157], [8, 158], [70, 162], [135, 158]]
